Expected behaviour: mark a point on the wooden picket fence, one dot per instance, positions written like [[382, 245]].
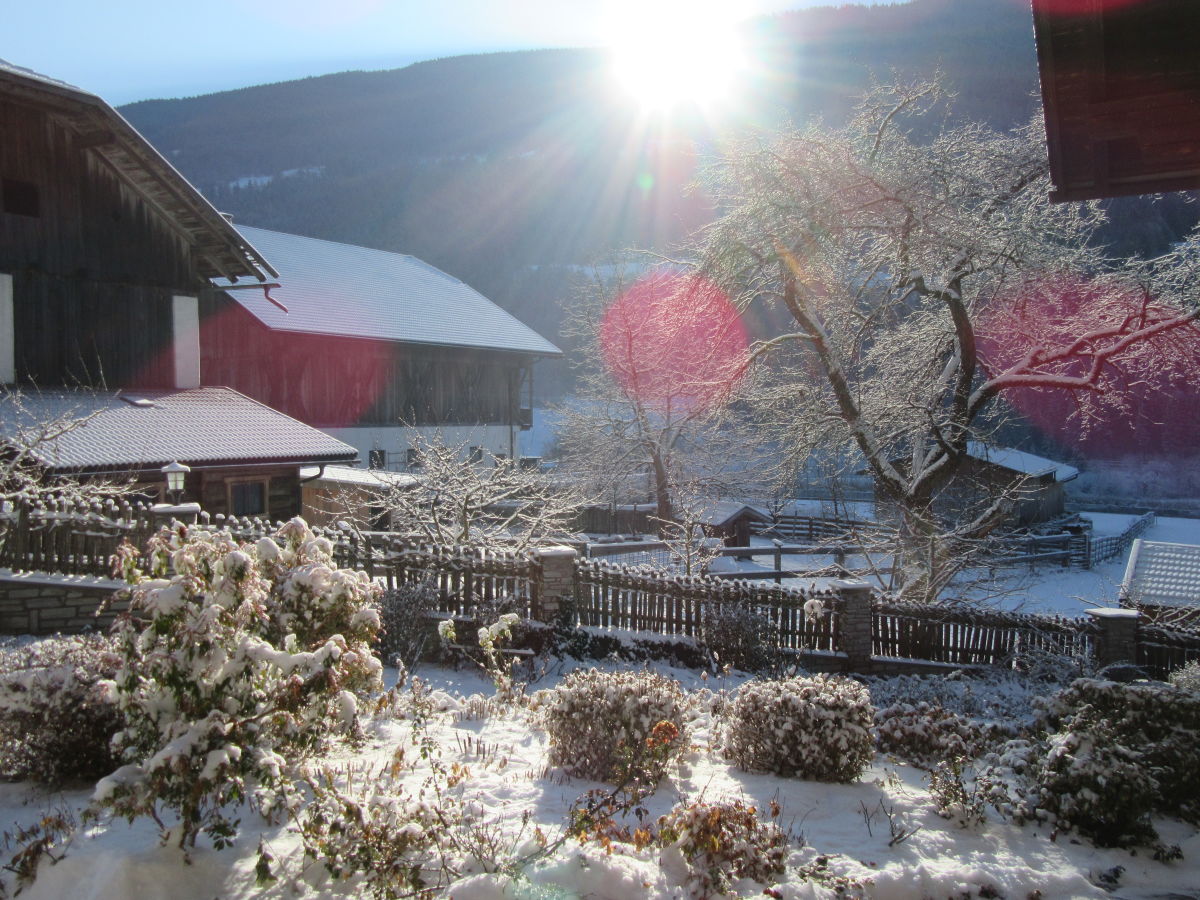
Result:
[[610, 596], [80, 539], [953, 633]]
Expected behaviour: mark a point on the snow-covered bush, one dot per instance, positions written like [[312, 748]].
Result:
[[1187, 677], [740, 636], [925, 734], [370, 828], [1096, 785], [816, 728], [615, 726], [720, 842], [1108, 756], [58, 712], [236, 660], [1156, 723], [953, 797], [406, 629]]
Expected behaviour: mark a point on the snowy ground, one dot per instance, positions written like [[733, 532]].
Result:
[[509, 777]]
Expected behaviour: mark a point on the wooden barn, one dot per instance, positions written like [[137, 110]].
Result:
[[105, 255], [1121, 95], [1035, 485], [366, 344]]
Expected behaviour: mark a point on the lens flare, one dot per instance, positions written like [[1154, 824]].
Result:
[[1093, 367], [674, 343]]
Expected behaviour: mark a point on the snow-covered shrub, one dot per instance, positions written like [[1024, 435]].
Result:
[[406, 629], [1156, 723], [925, 734], [241, 660], [1000, 697], [953, 797], [370, 828], [720, 842], [1095, 785], [1187, 677], [615, 726], [817, 728], [1109, 755], [737, 635], [58, 712]]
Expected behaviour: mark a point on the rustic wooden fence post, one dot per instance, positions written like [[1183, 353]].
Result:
[[855, 623], [1117, 641], [558, 581]]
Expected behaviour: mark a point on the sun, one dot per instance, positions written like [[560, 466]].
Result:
[[670, 53]]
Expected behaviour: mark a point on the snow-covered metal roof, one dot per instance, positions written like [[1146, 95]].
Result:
[[350, 291], [144, 429], [1162, 574], [1020, 461]]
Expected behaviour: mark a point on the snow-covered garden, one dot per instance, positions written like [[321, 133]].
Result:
[[259, 748]]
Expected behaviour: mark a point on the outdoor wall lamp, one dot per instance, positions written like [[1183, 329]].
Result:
[[176, 472]]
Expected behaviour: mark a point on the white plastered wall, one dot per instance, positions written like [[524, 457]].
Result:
[[8, 336], [186, 317]]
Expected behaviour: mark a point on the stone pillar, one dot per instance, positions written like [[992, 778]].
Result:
[[166, 513], [1117, 642], [558, 580], [855, 623]]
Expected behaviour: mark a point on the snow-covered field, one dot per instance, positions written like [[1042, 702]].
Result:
[[515, 794]]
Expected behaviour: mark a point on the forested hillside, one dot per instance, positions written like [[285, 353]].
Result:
[[513, 170]]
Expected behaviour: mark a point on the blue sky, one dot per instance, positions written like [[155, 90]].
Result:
[[129, 50]]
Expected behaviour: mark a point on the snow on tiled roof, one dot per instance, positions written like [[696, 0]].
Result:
[[1163, 574], [142, 429], [1020, 461], [342, 289]]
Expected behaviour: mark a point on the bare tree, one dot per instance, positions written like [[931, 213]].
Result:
[[663, 355], [454, 499], [921, 278]]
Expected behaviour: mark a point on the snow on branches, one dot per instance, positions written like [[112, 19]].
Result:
[[237, 658]]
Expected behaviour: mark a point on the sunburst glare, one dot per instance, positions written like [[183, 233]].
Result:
[[671, 53]]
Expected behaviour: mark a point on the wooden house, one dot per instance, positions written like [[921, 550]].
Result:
[[1121, 94], [106, 253], [367, 345], [1034, 486]]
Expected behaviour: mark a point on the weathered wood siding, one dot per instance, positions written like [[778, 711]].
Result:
[[93, 271], [332, 382], [210, 488]]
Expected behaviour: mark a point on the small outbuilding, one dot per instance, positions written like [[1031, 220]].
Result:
[[1163, 580]]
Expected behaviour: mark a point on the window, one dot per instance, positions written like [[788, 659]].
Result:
[[376, 459], [19, 197], [476, 455], [413, 459], [248, 498]]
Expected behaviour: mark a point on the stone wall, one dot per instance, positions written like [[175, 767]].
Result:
[[41, 604]]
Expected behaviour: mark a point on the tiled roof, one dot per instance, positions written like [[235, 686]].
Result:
[[200, 426], [1020, 461], [342, 289], [1163, 574]]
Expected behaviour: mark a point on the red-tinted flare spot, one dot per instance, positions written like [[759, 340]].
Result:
[[674, 343]]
